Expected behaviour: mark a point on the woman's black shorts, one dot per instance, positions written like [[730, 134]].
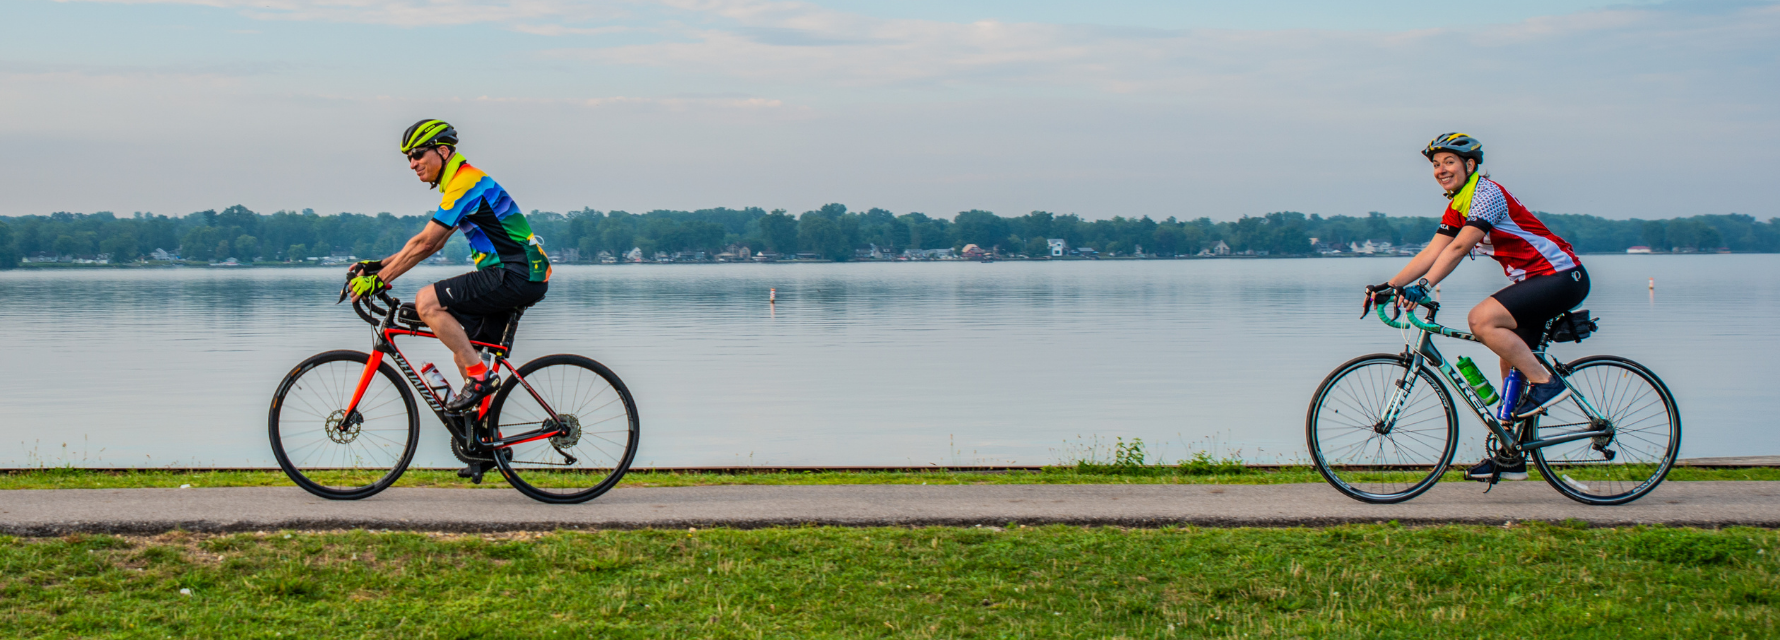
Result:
[[1536, 300], [481, 299]]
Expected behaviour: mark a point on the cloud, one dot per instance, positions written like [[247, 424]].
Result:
[[673, 104], [698, 103], [408, 13], [560, 30], [799, 44]]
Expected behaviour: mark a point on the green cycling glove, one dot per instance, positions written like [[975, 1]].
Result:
[[362, 286]]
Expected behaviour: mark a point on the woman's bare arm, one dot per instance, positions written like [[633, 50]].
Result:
[[1422, 261]]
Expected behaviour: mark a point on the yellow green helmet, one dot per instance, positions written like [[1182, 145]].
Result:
[[428, 133]]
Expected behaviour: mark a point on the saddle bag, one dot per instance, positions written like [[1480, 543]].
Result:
[[1572, 326]]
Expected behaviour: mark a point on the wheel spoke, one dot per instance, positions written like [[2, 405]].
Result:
[[1645, 436], [600, 432], [329, 456], [1362, 458]]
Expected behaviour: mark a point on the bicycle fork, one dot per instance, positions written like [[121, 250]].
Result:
[[358, 393]]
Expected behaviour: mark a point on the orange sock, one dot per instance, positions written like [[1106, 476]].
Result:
[[477, 372]]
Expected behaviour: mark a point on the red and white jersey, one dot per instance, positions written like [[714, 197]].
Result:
[[1511, 234]]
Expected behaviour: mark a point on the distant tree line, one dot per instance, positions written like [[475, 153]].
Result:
[[831, 232]]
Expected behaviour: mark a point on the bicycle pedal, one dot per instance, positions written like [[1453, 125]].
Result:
[[1493, 479]]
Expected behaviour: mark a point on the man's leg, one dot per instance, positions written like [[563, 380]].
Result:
[[445, 325], [1493, 325]]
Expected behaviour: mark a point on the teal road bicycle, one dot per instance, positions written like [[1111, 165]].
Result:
[[1382, 428]]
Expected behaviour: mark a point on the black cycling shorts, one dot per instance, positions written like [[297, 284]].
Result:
[[481, 299], [1536, 300]]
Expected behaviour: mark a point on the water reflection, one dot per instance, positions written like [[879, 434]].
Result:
[[952, 363]]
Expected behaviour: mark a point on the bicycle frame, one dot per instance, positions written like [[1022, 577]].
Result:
[[383, 343], [1422, 352]]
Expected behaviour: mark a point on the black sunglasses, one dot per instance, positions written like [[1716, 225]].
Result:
[[419, 153]]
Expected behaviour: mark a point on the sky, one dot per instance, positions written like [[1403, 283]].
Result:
[[1137, 107]]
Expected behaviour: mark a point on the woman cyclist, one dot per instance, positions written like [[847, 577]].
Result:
[[1548, 279]]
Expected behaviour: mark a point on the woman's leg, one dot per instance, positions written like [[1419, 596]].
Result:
[[1494, 325]]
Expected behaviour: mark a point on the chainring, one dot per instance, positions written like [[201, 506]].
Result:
[[457, 450]]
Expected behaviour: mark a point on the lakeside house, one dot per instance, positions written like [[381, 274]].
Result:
[[735, 253], [1219, 249], [928, 254], [1638, 249], [1059, 247]]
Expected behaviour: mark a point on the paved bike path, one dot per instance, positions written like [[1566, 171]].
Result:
[[147, 511]]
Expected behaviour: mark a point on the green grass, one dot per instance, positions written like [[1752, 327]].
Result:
[[1373, 581], [70, 478]]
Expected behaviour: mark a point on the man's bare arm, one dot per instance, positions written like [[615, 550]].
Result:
[[422, 246]]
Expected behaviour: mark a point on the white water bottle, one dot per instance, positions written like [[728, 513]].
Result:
[[436, 382]]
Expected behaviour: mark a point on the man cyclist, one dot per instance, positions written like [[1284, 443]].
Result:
[[512, 271], [1547, 277]]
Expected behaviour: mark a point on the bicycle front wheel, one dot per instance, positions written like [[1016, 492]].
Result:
[[595, 414], [333, 453], [1363, 454], [1631, 402]]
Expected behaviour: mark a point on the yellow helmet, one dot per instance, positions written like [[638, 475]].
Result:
[[428, 133]]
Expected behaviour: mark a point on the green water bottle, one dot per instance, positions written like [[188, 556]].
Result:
[[1480, 384]]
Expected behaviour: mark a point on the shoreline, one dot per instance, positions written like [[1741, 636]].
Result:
[[289, 265]]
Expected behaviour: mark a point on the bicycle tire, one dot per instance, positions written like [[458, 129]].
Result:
[[1389, 466], [605, 433], [364, 458], [1646, 441]]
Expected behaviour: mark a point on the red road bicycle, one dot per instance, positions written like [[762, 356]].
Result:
[[561, 428]]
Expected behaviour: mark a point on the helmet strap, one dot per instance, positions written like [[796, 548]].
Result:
[[443, 161]]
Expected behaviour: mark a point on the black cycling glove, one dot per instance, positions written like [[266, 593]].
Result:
[[1372, 290]]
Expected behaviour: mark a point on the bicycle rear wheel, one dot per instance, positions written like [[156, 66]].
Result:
[[594, 408], [334, 454], [1646, 433], [1363, 457]]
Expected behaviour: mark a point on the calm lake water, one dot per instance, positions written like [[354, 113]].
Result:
[[857, 364]]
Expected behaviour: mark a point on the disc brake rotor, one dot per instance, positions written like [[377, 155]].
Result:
[[340, 429], [571, 432]]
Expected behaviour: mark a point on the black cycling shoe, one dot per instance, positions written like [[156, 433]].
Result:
[[1489, 467], [1539, 397], [475, 389], [474, 471]]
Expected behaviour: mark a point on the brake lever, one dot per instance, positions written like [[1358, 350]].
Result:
[[342, 294], [1368, 305]]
